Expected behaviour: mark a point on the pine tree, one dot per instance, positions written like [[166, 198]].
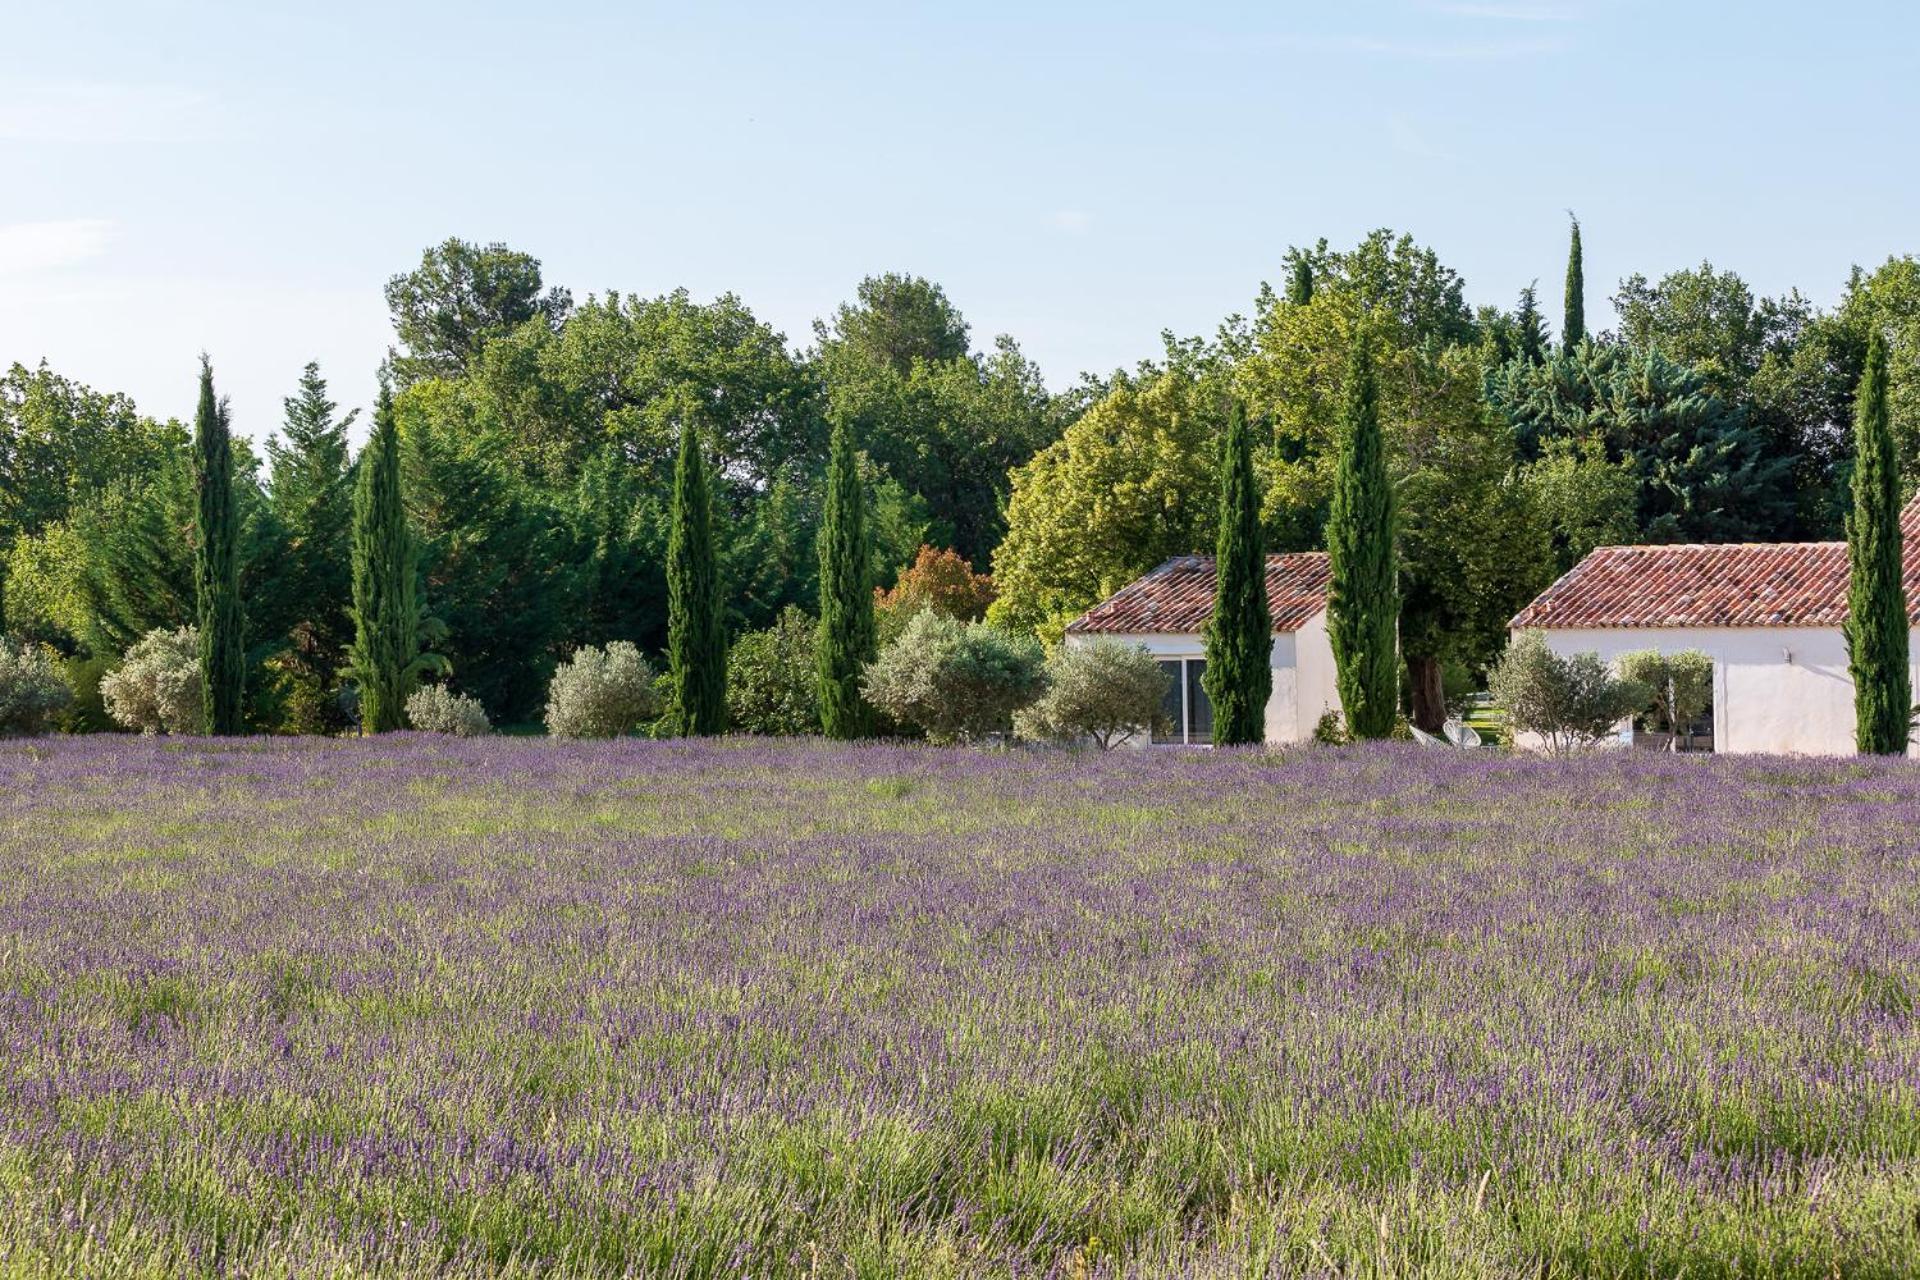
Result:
[[696, 644], [1876, 629], [1574, 331], [216, 563], [846, 639], [1363, 604], [385, 658], [1530, 328], [1300, 282], [1239, 674], [311, 492]]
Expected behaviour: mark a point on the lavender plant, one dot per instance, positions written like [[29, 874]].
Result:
[[424, 1006]]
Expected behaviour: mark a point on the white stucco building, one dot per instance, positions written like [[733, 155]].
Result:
[[1768, 614], [1165, 611]]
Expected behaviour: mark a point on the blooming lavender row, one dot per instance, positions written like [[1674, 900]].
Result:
[[420, 1006]]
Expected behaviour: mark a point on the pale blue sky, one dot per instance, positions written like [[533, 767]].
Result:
[[242, 177]]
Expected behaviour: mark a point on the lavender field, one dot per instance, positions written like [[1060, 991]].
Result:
[[496, 1007]]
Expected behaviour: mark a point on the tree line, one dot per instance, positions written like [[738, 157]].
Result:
[[552, 462]]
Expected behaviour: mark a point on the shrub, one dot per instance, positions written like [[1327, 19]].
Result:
[[157, 688], [1679, 686], [1107, 691], [601, 693], [1571, 702], [32, 690], [434, 708], [772, 686], [954, 679]]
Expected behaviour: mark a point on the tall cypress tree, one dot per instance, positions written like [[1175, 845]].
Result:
[[1876, 629], [1300, 283], [216, 563], [1363, 599], [846, 640], [696, 644], [1239, 675], [1574, 331], [385, 659]]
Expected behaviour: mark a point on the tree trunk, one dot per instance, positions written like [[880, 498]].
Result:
[[1429, 694]]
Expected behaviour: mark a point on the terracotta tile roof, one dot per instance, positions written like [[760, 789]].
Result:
[[1177, 598], [1776, 584]]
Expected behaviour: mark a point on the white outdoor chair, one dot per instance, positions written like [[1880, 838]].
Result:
[[1426, 739], [1461, 734]]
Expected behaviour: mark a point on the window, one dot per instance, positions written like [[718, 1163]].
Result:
[[1189, 713]]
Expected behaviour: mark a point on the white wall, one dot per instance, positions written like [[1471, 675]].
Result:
[[1775, 689], [1319, 689], [1303, 686]]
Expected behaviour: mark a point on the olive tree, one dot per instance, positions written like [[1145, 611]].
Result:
[[1679, 686], [32, 690], [158, 687], [955, 680], [601, 693], [1106, 691], [1569, 702]]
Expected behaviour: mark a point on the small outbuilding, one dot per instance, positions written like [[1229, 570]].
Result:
[[1768, 614], [1166, 612]]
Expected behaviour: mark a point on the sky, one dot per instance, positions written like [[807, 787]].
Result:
[[242, 179]]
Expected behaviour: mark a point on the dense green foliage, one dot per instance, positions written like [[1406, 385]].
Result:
[[1239, 632], [696, 644], [773, 686], [1877, 627], [538, 441], [1363, 598], [216, 566], [846, 642]]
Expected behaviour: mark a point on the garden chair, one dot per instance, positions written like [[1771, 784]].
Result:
[[1461, 734], [1426, 739]]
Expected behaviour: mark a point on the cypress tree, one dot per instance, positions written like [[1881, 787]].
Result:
[[385, 658], [1300, 283], [846, 639], [696, 644], [1239, 675], [1363, 601], [1876, 629], [1574, 331], [216, 563]]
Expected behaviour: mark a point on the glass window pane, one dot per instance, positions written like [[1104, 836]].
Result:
[[1199, 710], [1170, 705]]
